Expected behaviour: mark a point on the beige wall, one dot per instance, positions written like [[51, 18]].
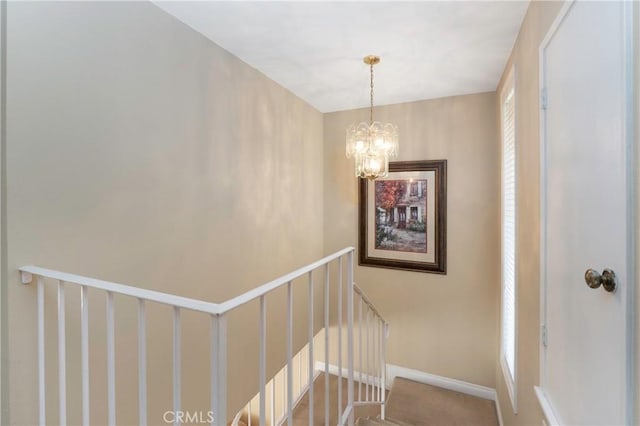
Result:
[[636, 194], [140, 152], [4, 394], [441, 324], [525, 59]]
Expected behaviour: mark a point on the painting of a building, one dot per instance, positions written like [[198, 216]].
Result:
[[401, 210]]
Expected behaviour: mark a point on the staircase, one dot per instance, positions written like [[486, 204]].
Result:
[[307, 390], [411, 403]]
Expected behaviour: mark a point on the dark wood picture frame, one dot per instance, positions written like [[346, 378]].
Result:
[[371, 249]]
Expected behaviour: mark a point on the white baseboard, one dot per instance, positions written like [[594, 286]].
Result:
[[394, 371], [363, 378], [441, 382]]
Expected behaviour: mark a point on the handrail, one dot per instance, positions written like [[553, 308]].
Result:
[[278, 282], [174, 300], [140, 293], [366, 300]]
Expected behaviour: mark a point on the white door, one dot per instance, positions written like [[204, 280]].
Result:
[[586, 175]]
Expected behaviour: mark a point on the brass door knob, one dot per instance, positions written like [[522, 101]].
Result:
[[607, 280]]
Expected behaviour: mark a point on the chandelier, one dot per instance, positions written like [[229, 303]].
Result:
[[372, 143]]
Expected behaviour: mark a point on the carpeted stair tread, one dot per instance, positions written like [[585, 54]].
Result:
[[396, 422], [417, 403], [375, 422]]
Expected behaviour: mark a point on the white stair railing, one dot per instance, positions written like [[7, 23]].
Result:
[[372, 364], [371, 346]]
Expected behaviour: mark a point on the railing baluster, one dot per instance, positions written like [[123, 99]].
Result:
[[384, 371], [360, 349], [142, 363], [284, 393], [326, 344], [311, 348], [62, 358], [374, 355], [84, 349], [340, 337], [379, 334], [289, 353], [374, 358], [111, 363], [371, 351], [219, 369], [273, 400], [368, 354], [374, 370], [263, 360], [41, 372], [177, 388], [350, 334], [303, 355], [377, 355], [300, 378]]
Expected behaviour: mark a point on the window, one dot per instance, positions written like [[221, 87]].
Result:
[[414, 213], [508, 337]]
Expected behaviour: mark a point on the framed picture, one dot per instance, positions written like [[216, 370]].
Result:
[[403, 218]]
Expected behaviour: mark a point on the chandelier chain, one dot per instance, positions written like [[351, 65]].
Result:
[[371, 108]]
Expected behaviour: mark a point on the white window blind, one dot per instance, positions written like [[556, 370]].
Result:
[[508, 317]]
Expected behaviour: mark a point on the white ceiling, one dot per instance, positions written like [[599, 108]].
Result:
[[315, 49]]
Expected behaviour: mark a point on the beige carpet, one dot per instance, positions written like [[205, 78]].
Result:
[[409, 402], [420, 404]]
